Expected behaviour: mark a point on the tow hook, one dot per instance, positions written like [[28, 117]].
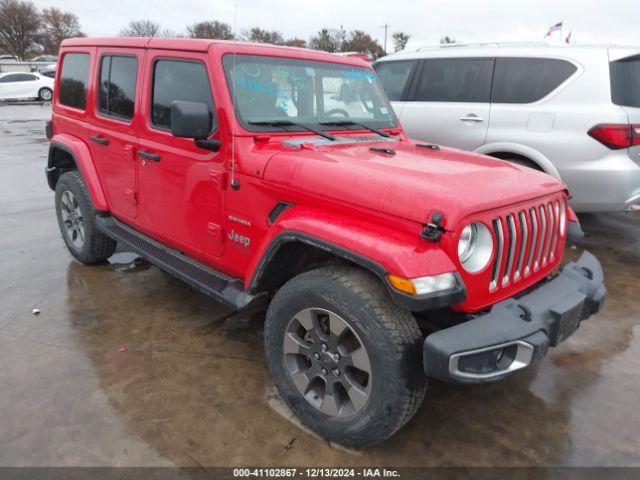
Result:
[[433, 230]]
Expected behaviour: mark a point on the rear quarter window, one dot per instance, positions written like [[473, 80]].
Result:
[[74, 78], [394, 77], [527, 80], [625, 81]]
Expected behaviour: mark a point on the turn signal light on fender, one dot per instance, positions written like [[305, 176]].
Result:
[[423, 285]]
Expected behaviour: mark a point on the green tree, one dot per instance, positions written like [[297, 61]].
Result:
[[58, 26], [20, 27], [210, 29], [296, 42], [400, 40], [327, 40]]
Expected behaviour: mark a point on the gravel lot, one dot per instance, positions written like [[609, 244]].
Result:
[[192, 387]]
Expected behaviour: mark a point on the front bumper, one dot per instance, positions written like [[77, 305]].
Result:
[[517, 332]]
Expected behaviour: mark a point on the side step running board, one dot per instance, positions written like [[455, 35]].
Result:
[[217, 285]]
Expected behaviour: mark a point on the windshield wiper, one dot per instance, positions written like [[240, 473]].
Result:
[[346, 123], [289, 123]]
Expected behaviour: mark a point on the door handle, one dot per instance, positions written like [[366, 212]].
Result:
[[154, 157], [472, 118], [100, 140]]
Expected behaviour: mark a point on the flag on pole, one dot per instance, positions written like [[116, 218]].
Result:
[[555, 28], [568, 39]]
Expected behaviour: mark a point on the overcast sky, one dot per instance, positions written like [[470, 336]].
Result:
[[612, 21]]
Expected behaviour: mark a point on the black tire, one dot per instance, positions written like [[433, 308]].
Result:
[[45, 94], [95, 246], [390, 335]]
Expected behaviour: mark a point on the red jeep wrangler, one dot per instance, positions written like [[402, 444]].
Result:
[[278, 176]]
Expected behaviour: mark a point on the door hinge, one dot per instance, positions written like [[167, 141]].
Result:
[[219, 178], [215, 231], [130, 152], [132, 196]]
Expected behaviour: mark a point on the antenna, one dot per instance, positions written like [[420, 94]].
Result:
[[234, 183]]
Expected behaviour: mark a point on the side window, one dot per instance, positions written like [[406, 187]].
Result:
[[394, 76], [9, 78], [74, 78], [527, 80], [625, 81], [117, 93], [179, 80], [454, 80], [26, 77]]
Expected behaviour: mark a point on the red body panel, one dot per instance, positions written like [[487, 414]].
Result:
[[373, 204]]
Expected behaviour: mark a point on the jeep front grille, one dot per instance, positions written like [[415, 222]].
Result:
[[526, 241]]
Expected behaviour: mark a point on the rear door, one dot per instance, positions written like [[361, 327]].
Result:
[[448, 102], [114, 131], [625, 90]]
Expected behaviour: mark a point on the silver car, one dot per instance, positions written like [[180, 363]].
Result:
[[571, 111]]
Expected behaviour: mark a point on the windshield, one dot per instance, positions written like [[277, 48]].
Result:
[[283, 90]]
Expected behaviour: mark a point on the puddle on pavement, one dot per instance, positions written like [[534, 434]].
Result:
[[127, 262], [277, 405]]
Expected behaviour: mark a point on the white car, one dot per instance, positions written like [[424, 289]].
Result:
[[22, 85], [572, 111]]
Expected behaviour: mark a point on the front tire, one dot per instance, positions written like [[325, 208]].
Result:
[[345, 359], [76, 219], [45, 94]]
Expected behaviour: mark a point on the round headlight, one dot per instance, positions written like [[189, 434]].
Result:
[[475, 247]]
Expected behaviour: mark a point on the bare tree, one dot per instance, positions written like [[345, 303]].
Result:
[[58, 26], [20, 27], [400, 40], [141, 28], [361, 42], [259, 35], [446, 40], [210, 29]]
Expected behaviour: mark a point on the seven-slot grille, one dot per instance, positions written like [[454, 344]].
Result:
[[526, 241]]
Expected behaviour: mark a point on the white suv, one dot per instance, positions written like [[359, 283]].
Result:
[[571, 111]]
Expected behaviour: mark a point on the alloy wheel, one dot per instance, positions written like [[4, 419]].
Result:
[[72, 221], [327, 362]]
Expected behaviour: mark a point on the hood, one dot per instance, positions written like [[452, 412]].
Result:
[[411, 184]]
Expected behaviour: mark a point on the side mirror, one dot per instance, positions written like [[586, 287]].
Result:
[[190, 119]]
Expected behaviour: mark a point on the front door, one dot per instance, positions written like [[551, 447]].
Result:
[[114, 132], [449, 102], [181, 185]]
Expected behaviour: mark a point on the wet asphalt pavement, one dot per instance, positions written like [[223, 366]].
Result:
[[127, 366]]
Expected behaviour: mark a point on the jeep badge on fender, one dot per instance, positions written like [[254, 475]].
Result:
[[358, 235]]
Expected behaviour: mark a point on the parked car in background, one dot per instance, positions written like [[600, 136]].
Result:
[[8, 58], [48, 71], [45, 58], [22, 85], [571, 111]]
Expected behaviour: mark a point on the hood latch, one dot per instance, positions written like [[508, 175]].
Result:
[[433, 230]]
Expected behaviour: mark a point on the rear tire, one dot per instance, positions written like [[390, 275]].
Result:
[[356, 302], [45, 94], [76, 219]]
